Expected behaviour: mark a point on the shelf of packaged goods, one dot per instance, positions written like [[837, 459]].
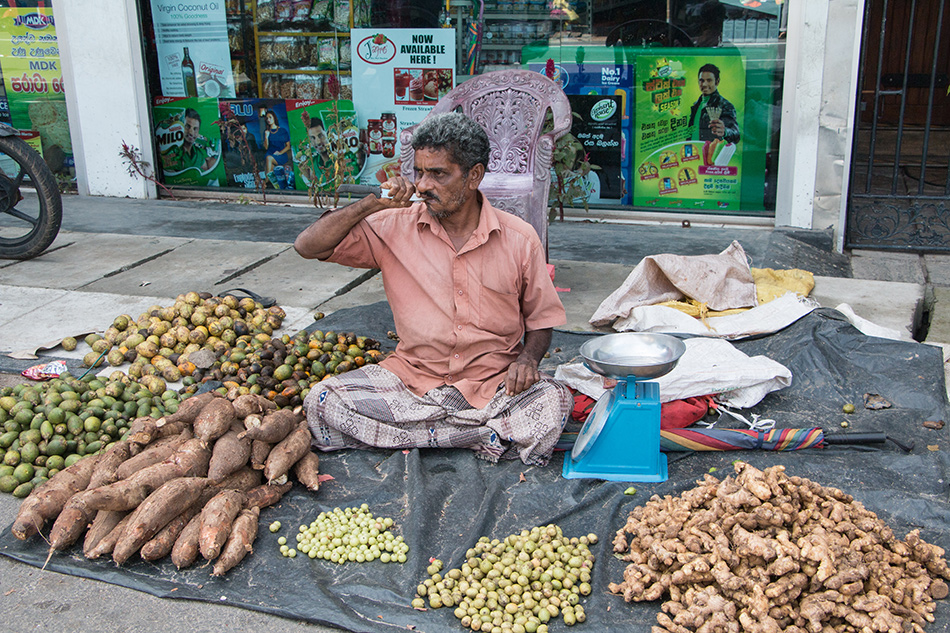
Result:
[[302, 34], [525, 16], [500, 46], [293, 71]]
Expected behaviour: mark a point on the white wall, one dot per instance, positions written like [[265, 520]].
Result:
[[100, 52], [821, 69], [837, 117], [801, 101]]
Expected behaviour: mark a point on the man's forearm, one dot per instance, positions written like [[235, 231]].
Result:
[[319, 239], [536, 343]]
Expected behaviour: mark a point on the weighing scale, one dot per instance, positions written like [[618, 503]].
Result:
[[620, 440]]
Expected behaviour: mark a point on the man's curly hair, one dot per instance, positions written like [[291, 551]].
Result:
[[463, 138]]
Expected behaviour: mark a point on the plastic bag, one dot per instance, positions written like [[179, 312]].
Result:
[[283, 10], [709, 366], [265, 11], [300, 10], [341, 15], [327, 54]]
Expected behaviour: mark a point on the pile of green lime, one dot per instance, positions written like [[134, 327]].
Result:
[[50, 425]]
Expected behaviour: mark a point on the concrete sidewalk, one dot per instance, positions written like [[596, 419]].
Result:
[[118, 256], [114, 256]]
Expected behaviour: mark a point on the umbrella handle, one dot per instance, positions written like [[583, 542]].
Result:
[[859, 437]]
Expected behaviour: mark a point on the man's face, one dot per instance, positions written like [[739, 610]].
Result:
[[192, 128], [318, 139], [708, 83], [441, 183]]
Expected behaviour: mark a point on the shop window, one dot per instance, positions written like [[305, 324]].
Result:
[[282, 96]]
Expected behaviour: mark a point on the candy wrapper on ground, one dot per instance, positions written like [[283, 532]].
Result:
[[45, 371]]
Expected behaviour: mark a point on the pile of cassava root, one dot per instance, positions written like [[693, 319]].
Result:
[[191, 483], [766, 552]]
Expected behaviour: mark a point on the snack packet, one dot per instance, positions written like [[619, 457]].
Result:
[[283, 10], [328, 54], [45, 371], [341, 15], [300, 10]]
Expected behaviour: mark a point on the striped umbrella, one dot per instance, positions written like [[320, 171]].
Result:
[[740, 439], [687, 440]]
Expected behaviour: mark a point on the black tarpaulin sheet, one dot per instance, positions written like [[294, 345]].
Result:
[[442, 501]]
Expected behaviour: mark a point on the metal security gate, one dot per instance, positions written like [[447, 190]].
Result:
[[899, 195]]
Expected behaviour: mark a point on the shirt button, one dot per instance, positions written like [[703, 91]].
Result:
[[456, 355], [460, 327], [460, 292]]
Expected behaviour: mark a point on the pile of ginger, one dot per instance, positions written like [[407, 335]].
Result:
[[765, 552]]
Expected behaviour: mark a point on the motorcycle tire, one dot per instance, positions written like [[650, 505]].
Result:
[[28, 225]]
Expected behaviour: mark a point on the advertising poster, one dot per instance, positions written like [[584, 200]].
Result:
[[192, 43], [597, 125], [267, 134], [687, 131], [398, 75], [188, 141], [320, 132], [601, 77], [33, 82]]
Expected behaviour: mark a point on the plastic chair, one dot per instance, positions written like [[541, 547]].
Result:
[[510, 105]]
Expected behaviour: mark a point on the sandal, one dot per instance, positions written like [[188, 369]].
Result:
[[264, 301]]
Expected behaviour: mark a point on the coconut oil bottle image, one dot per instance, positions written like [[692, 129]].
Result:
[[188, 75]]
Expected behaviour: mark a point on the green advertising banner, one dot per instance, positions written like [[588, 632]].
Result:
[[689, 114], [189, 141], [320, 131], [32, 79]]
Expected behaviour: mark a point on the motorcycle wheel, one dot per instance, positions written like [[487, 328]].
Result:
[[29, 219]]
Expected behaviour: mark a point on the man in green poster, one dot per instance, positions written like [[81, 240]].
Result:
[[717, 117], [195, 150], [313, 155]]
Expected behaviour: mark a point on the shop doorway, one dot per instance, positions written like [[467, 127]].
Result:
[[899, 195]]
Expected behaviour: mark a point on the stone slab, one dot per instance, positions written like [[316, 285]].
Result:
[[890, 304], [938, 269], [199, 265], [367, 292], [584, 286], [940, 317], [295, 281], [888, 266], [80, 259], [34, 319]]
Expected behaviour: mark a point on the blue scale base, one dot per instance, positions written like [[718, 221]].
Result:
[[627, 448]]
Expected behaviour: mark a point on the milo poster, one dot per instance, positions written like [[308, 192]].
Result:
[[188, 141], [33, 81], [325, 142], [688, 131]]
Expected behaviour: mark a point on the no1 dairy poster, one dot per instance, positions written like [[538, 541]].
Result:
[[201, 26], [398, 75]]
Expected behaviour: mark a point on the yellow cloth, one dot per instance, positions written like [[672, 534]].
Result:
[[769, 284]]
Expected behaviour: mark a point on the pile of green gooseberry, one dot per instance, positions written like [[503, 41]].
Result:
[[350, 535], [515, 585]]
